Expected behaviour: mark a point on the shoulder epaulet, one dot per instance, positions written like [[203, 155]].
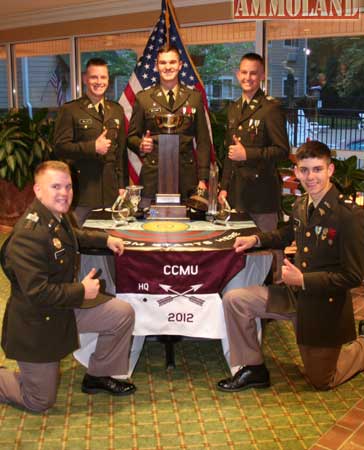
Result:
[[346, 201], [149, 87], [301, 198], [183, 85], [272, 99], [31, 221], [342, 198]]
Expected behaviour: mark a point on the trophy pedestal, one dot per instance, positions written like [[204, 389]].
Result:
[[168, 206], [168, 202]]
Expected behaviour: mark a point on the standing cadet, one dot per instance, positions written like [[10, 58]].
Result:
[[257, 140], [47, 308], [90, 136], [329, 235], [170, 97]]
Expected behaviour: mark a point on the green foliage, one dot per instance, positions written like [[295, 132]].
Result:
[[340, 58], [24, 143], [218, 59], [347, 177], [287, 201], [120, 62]]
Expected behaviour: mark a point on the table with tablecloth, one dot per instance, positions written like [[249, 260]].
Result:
[[173, 274]]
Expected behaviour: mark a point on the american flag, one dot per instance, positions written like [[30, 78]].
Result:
[[55, 81], [145, 74]]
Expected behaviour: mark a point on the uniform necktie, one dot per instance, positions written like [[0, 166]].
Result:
[[101, 111], [170, 99], [310, 210]]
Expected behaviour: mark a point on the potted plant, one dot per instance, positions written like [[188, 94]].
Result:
[[24, 143], [347, 177]]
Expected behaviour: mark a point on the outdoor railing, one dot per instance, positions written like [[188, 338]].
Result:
[[338, 128]]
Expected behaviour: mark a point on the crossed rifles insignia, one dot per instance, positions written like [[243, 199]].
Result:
[[187, 294]]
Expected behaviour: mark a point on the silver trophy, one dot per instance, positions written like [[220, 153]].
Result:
[[168, 123], [168, 198]]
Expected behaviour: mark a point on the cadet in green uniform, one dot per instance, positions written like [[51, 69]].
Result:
[[257, 139], [47, 308], [90, 135], [170, 97], [329, 261]]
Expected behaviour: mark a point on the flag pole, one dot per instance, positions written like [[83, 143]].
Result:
[[168, 23], [172, 12]]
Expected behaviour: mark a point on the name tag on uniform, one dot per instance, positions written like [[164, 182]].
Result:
[[59, 253], [155, 110], [85, 121]]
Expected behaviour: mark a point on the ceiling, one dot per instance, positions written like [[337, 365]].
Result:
[[18, 13], [22, 6]]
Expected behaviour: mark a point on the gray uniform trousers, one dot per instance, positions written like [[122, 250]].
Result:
[[34, 387], [325, 367]]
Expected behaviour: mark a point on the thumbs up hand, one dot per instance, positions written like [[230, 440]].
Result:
[[146, 144], [102, 143], [237, 150], [91, 285]]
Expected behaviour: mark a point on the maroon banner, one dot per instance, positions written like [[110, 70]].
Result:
[[176, 273]]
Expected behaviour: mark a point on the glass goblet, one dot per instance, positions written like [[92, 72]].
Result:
[[120, 212], [135, 195]]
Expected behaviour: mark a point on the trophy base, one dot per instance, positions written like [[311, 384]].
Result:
[[167, 211]]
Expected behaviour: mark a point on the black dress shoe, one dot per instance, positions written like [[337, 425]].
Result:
[[245, 378], [93, 385], [361, 328]]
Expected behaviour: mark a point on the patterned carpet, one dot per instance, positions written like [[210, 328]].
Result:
[[181, 409]]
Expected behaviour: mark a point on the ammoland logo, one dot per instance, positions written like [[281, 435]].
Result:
[[296, 9]]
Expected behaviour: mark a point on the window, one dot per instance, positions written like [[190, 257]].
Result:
[[43, 74], [227, 87], [290, 86], [217, 65], [268, 83], [4, 103], [320, 80], [294, 43], [119, 51], [287, 64]]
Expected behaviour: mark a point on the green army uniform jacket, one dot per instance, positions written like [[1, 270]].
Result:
[[330, 254], [189, 105], [97, 177], [39, 323], [254, 185]]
